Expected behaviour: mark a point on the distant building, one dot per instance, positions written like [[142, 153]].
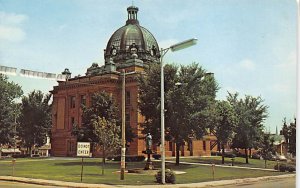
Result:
[[131, 48], [280, 144]]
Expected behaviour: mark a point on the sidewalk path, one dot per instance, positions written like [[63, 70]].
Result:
[[191, 185], [224, 166]]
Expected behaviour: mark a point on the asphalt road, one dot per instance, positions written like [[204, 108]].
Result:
[[281, 183]]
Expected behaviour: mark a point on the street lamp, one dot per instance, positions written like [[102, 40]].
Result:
[[175, 47], [123, 139]]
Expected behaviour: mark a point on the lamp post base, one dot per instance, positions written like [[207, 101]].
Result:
[[149, 166]]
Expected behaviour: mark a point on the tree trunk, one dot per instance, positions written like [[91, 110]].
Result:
[[223, 154], [265, 163], [250, 152], [177, 154], [219, 147], [246, 153], [103, 160]]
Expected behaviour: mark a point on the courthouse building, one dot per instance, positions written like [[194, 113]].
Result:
[[131, 48]]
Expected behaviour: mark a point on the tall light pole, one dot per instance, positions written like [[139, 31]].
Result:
[[123, 139], [173, 48], [123, 149]]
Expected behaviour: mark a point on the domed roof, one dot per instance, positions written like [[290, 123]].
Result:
[[132, 39]]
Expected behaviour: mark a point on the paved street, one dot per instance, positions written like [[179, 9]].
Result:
[[10, 184], [282, 183]]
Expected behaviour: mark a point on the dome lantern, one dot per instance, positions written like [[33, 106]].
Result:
[[130, 39], [132, 15]]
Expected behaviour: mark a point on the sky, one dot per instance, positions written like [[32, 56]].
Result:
[[249, 45]]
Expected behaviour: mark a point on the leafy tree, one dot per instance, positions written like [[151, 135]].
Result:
[[186, 105], [107, 135], [224, 123], [292, 138], [267, 148], [103, 106], [9, 91], [289, 133], [251, 115], [35, 119], [285, 130]]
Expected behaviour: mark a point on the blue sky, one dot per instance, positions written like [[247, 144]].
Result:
[[250, 45]]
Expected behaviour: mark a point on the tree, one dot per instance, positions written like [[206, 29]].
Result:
[[224, 123], [107, 133], [186, 105], [267, 148], [103, 106], [35, 119], [289, 132], [9, 91], [251, 114], [292, 138]]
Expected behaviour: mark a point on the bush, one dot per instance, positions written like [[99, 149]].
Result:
[[156, 156], [276, 167], [134, 158], [21, 156], [230, 155], [170, 176], [291, 168], [214, 153], [282, 167]]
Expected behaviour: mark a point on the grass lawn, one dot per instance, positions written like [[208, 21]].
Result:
[[238, 161], [69, 170]]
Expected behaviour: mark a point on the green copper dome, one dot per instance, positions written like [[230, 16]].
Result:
[[132, 39]]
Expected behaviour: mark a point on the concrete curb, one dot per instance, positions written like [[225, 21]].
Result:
[[191, 185]]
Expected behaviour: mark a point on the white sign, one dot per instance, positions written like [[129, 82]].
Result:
[[83, 149]]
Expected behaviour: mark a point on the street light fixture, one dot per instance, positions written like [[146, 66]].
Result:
[[175, 47]]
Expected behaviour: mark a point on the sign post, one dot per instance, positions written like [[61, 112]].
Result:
[[83, 150]]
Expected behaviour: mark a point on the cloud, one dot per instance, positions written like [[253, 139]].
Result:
[[247, 64], [11, 27], [12, 34], [12, 18]]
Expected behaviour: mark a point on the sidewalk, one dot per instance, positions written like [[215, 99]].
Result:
[[224, 166], [191, 185]]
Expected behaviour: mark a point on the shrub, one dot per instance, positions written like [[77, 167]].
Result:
[[230, 155], [276, 167], [170, 176], [282, 167], [156, 156], [291, 168], [21, 155]]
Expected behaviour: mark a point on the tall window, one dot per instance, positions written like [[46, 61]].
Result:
[[83, 100], [204, 145], [72, 122], [127, 117], [127, 97], [72, 101]]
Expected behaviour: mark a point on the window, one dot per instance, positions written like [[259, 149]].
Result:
[[204, 145], [72, 122], [127, 117], [83, 100], [127, 97], [170, 146], [72, 101]]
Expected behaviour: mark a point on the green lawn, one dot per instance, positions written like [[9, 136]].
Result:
[[238, 161], [69, 170]]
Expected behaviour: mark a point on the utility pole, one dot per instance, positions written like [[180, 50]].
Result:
[[123, 150]]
